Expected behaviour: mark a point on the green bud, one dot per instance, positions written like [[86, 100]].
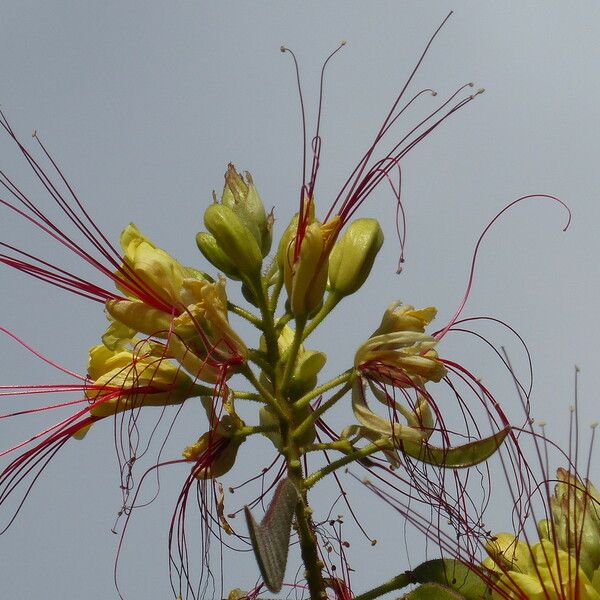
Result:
[[304, 378], [353, 256], [207, 244], [286, 240], [575, 525], [241, 196], [234, 239]]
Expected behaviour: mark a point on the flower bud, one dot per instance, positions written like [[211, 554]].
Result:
[[353, 256], [305, 275], [241, 196], [234, 239], [207, 244], [575, 525], [304, 377], [286, 240]]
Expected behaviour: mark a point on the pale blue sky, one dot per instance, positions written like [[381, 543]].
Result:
[[145, 103]]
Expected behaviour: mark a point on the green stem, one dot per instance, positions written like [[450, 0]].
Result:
[[244, 432], [340, 445], [245, 314], [267, 325], [259, 359], [276, 291], [306, 399], [330, 303], [292, 355], [201, 390], [310, 553], [381, 444], [263, 391], [247, 396], [306, 531], [283, 321], [395, 583], [315, 414]]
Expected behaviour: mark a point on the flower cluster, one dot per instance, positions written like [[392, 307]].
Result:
[[171, 340]]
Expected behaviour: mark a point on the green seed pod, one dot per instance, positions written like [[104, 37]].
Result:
[[241, 196], [234, 239], [207, 244], [353, 256]]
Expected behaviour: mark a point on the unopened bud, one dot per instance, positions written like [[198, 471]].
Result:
[[353, 256], [207, 244], [305, 272], [575, 527], [234, 239], [241, 196], [304, 378]]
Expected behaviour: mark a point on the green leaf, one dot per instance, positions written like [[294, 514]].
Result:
[[433, 591], [271, 539], [458, 457], [453, 574]]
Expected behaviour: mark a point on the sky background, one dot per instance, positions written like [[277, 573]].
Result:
[[144, 103]]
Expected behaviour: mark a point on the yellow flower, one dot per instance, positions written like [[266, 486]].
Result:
[[157, 288], [405, 317], [403, 359], [122, 380], [539, 572], [154, 272], [398, 352], [199, 335]]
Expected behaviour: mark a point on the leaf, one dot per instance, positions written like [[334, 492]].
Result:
[[453, 574], [458, 457], [433, 591], [271, 539]]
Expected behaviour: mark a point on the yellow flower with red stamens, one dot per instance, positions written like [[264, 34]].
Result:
[[122, 380]]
